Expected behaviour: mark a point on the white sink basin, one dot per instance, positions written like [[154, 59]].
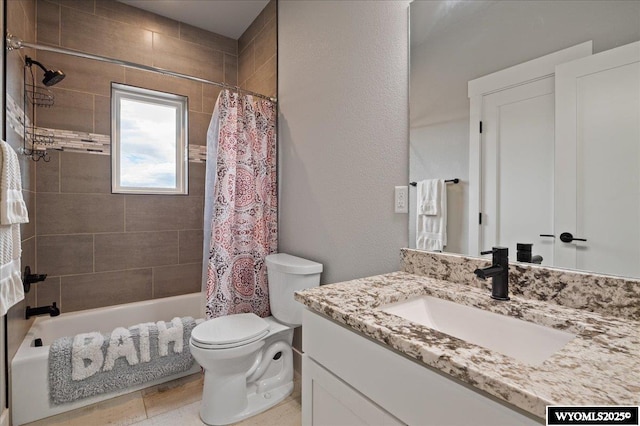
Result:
[[527, 342]]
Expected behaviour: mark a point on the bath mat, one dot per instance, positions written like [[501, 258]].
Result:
[[93, 363]]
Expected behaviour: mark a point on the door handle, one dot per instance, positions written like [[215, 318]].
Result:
[[567, 237], [547, 235]]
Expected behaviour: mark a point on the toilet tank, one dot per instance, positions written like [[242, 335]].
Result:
[[288, 274]]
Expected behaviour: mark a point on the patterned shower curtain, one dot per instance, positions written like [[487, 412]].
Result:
[[241, 198]]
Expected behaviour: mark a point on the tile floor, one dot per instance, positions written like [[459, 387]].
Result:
[[174, 403]]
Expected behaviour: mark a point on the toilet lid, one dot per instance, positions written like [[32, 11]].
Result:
[[230, 330]]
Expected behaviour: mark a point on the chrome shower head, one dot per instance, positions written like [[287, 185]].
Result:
[[51, 77]]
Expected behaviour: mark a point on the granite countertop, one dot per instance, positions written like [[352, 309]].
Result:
[[601, 366]]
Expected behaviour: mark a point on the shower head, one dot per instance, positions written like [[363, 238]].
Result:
[[51, 77]]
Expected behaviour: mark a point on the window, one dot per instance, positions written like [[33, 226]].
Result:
[[148, 141]]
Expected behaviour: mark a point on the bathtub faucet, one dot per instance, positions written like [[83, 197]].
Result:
[[52, 310]]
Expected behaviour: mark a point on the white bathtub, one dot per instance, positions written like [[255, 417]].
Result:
[[29, 368]]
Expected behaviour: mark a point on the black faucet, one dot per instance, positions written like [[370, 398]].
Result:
[[524, 254], [30, 278], [498, 272], [52, 310]]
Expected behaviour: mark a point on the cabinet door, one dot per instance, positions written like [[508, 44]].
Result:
[[328, 401]]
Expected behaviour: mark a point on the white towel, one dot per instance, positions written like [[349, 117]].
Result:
[[428, 196], [431, 228], [12, 212], [12, 207], [11, 290]]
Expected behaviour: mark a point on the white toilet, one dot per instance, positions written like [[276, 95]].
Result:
[[247, 360]]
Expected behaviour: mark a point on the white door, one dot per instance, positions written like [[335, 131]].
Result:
[[511, 160], [597, 189], [517, 164]]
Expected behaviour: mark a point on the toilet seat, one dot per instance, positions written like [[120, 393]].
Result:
[[229, 331]]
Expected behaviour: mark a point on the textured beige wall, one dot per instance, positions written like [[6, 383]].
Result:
[[343, 129]]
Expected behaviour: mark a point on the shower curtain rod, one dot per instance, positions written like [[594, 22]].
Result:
[[14, 43]]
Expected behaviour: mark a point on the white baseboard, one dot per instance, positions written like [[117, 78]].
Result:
[[4, 417]]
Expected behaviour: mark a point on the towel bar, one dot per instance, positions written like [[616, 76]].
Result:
[[454, 181]]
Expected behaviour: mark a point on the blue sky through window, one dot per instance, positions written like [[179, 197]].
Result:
[[147, 145]]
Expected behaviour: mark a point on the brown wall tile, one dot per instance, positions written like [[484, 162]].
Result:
[[65, 254], [48, 19], [83, 75], [257, 59], [163, 212], [175, 280], [48, 291], [270, 10], [135, 250], [163, 83], [28, 230], [102, 115], [89, 173], [15, 81], [141, 18], [48, 173], [246, 64], [104, 289], [28, 171], [86, 32], [197, 173], [209, 97], [72, 111], [28, 257], [29, 7], [198, 126], [250, 33], [79, 213], [264, 81], [17, 21], [231, 69], [187, 58], [265, 43], [190, 245], [208, 39], [83, 5]]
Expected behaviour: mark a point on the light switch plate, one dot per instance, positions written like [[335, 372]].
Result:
[[402, 199]]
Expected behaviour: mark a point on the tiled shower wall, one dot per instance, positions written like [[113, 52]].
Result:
[[101, 248], [21, 23], [257, 47]]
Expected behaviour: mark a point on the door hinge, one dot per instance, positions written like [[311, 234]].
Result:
[[481, 127], [480, 218]]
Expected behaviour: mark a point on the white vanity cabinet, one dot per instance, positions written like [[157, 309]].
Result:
[[332, 402], [348, 379]]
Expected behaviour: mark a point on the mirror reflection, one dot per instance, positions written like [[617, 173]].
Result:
[[535, 107]]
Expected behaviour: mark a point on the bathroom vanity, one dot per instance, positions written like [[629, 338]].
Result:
[[366, 365]]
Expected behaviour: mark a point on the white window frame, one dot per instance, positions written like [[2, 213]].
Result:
[[138, 94]]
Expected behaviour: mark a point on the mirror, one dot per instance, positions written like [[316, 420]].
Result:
[[456, 42]]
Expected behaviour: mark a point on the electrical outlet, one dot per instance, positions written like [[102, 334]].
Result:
[[402, 199]]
